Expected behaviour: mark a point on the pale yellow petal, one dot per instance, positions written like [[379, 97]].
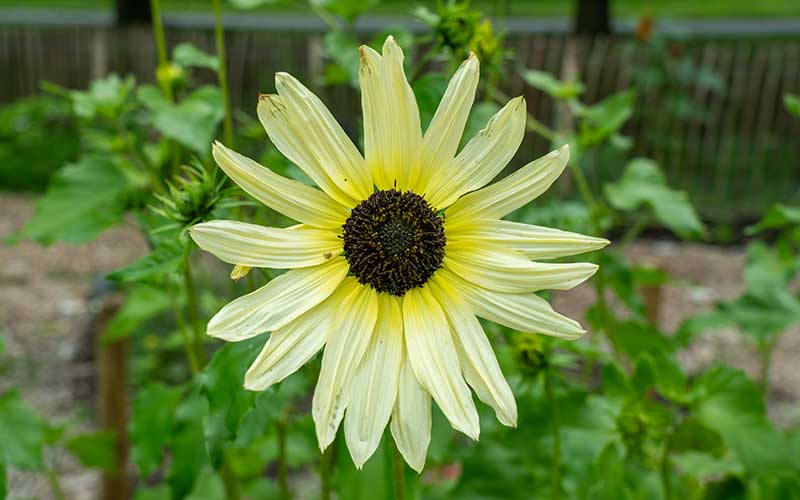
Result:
[[411, 418], [351, 330], [435, 361], [498, 268], [291, 346], [478, 362], [535, 242], [293, 199], [278, 302], [512, 192], [303, 129], [525, 312], [258, 246], [484, 156], [392, 132], [373, 390], [441, 139]]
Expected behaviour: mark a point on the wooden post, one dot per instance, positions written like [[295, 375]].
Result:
[[112, 395]]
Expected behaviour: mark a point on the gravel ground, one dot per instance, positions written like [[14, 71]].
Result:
[[43, 310]]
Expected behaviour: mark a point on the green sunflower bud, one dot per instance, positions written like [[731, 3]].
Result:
[[191, 196]]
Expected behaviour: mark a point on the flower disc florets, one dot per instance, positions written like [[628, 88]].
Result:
[[394, 241]]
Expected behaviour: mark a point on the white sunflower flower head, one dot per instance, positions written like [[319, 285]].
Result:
[[377, 276]]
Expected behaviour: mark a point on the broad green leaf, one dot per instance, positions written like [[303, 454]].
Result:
[[778, 217], [166, 258], [792, 103], [187, 54], [143, 303], [222, 383], [643, 184], [699, 323], [365, 484], [551, 85], [189, 446], [209, 486], [636, 337], [693, 435], [83, 200], [97, 449], [731, 404], [193, 122], [600, 121], [22, 433], [105, 97], [151, 425], [610, 470]]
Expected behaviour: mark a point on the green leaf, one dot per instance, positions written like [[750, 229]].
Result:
[[106, 97], [187, 54], [610, 471], [551, 85], [600, 121], [706, 466], [778, 217], [636, 337], [143, 303], [83, 200], [731, 404], [792, 103], [342, 48], [151, 425], [22, 433], [194, 121], [167, 257], [3, 481], [222, 382], [189, 445], [209, 486], [97, 449], [643, 184]]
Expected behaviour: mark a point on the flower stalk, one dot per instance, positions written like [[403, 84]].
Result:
[[398, 472], [555, 471], [222, 73]]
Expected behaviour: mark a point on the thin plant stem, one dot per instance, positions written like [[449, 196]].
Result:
[[192, 310], [55, 485], [325, 472], [233, 490], [158, 31], [767, 348], [283, 474], [222, 74], [188, 342], [666, 472], [398, 472], [555, 472]]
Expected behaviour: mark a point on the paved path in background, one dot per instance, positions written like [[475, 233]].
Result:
[[372, 23]]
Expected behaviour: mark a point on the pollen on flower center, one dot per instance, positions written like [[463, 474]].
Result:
[[394, 241]]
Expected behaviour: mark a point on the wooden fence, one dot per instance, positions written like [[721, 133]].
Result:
[[735, 149]]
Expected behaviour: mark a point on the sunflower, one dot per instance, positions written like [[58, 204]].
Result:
[[396, 255]]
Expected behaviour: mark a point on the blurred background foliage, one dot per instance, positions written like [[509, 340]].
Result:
[[615, 415]]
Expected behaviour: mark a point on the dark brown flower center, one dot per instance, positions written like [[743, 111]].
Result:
[[394, 241]]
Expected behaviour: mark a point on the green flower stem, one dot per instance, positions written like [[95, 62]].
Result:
[[325, 472], [55, 484], [188, 342], [161, 44], [555, 473], [222, 74], [766, 349], [666, 470], [192, 311], [233, 490], [398, 472], [283, 475]]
